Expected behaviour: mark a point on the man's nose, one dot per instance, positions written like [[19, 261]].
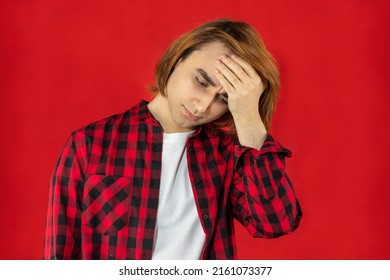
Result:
[[204, 102]]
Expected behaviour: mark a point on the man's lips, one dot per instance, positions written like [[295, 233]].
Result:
[[190, 115]]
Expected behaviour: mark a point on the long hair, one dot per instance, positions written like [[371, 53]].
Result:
[[241, 39]]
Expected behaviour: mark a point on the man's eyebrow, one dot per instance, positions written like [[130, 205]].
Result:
[[206, 77]]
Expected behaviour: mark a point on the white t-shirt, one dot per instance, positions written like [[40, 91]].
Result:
[[179, 233]]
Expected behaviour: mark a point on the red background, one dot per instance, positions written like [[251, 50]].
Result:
[[64, 64]]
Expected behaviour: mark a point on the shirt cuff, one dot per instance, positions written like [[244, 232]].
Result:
[[270, 145]]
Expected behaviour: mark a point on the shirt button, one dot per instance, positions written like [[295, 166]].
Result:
[[191, 149], [197, 181], [155, 148], [205, 217]]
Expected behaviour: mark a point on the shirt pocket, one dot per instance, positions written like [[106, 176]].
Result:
[[106, 203]]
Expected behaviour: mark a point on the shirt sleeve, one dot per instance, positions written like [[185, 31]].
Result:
[[263, 197], [62, 236]]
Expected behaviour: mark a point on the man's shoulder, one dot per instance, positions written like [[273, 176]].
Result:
[[115, 122]]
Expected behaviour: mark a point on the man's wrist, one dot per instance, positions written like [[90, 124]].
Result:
[[251, 131]]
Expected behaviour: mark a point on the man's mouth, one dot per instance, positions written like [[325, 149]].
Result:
[[190, 115]]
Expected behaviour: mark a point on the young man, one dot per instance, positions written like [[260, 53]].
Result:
[[165, 179]]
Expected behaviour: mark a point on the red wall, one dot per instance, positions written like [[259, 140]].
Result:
[[64, 64]]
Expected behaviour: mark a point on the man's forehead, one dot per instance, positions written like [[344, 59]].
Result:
[[211, 50]]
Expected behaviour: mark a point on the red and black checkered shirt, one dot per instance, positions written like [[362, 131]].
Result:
[[104, 191]]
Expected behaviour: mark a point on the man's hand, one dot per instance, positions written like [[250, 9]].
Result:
[[242, 84], [244, 88]]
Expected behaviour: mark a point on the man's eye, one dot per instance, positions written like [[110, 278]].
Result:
[[223, 97], [200, 83]]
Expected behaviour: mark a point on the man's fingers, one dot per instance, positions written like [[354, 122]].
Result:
[[244, 65], [226, 85]]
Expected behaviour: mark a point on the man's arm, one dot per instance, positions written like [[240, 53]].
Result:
[[262, 195], [63, 237]]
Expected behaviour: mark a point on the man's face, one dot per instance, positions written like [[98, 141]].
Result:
[[194, 95]]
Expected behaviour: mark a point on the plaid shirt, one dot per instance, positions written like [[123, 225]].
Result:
[[104, 191]]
